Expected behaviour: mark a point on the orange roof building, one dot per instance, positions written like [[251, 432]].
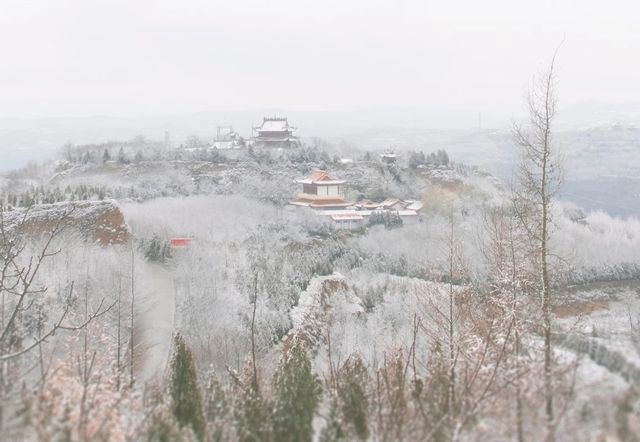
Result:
[[326, 194], [321, 191]]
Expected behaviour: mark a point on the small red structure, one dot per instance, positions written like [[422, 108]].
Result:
[[179, 243]]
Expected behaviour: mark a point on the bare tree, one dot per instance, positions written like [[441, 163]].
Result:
[[453, 256], [132, 318], [539, 178], [255, 285], [119, 332], [22, 296], [254, 302], [505, 247]]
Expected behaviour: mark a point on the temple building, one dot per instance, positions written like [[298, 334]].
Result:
[[275, 132], [326, 196], [321, 191], [227, 138]]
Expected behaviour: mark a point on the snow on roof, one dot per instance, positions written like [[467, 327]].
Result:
[[407, 213], [347, 217], [300, 203], [320, 177], [390, 202], [415, 205], [323, 204], [337, 212], [275, 125], [367, 204]]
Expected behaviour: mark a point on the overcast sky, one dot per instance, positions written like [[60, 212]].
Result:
[[147, 57]]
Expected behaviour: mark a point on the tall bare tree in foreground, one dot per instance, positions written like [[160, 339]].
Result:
[[539, 178]]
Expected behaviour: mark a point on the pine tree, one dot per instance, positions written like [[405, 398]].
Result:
[[251, 411], [348, 412], [353, 399], [215, 404], [436, 392], [122, 157], [297, 393], [163, 427], [186, 400]]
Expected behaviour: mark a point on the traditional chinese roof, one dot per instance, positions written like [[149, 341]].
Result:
[[324, 204], [367, 204], [320, 177], [415, 205], [318, 203], [389, 202], [275, 124], [365, 213]]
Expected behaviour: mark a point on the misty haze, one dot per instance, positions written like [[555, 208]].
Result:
[[319, 221]]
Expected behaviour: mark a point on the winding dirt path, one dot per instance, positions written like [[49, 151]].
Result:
[[156, 313]]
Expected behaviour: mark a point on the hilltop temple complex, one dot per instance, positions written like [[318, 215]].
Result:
[[326, 196]]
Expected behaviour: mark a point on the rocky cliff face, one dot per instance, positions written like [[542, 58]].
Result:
[[101, 222]]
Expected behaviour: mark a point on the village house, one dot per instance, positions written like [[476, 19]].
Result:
[[275, 132]]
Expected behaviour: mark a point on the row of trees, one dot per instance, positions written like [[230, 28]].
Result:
[[49, 195], [246, 410], [137, 149], [435, 159]]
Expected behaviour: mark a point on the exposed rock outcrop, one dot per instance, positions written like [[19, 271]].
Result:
[[95, 221]]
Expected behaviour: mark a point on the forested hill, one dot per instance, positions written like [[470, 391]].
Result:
[[141, 170]]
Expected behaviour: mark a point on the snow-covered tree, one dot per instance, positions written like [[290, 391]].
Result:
[[186, 400], [296, 395]]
